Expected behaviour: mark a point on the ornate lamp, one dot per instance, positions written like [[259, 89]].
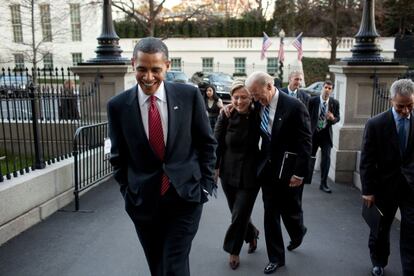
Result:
[[366, 49], [108, 50]]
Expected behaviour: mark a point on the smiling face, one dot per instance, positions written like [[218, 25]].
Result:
[[241, 100], [150, 70], [262, 93]]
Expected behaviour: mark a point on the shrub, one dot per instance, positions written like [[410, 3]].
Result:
[[315, 69]]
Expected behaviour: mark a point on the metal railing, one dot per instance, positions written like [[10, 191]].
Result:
[[380, 97], [91, 162], [40, 111]]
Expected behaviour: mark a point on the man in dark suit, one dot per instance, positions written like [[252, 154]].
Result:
[[163, 153], [284, 128], [293, 88], [387, 175], [324, 112]]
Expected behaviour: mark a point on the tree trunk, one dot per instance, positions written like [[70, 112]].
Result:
[[334, 35]]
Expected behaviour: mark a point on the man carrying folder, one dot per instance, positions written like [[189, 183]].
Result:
[[387, 176], [284, 128]]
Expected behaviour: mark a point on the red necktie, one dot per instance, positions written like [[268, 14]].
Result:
[[156, 138]]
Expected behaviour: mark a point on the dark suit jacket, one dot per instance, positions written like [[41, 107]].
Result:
[[189, 154], [333, 107], [237, 151], [302, 96], [290, 132], [382, 164]]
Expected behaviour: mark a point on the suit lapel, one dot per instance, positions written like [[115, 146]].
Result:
[[135, 127], [392, 129], [410, 144], [174, 109], [278, 119]]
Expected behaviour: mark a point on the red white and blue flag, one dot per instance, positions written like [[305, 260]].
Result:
[[281, 53], [266, 44], [297, 43]]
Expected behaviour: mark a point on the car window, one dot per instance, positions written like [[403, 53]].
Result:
[[221, 78]]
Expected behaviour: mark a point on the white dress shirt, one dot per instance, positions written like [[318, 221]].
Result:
[[162, 106]]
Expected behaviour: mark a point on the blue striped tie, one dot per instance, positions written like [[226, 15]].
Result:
[[321, 119], [264, 125]]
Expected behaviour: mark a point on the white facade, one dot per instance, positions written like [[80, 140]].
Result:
[[226, 52], [62, 24], [190, 55]]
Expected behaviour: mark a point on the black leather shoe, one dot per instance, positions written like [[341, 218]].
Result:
[[295, 244], [326, 189], [377, 271], [271, 267]]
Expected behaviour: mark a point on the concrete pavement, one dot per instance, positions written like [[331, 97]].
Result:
[[103, 242]]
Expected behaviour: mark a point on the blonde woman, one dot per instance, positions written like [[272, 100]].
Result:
[[237, 151]]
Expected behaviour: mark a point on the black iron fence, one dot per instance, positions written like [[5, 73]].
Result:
[[40, 110], [381, 93], [91, 153]]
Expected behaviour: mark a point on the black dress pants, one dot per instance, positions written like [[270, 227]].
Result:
[[280, 201], [167, 237], [321, 140], [380, 246], [241, 202]]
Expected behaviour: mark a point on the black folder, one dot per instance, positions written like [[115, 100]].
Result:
[[372, 216], [288, 167]]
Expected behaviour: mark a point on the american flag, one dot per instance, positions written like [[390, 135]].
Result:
[[281, 53], [297, 43], [266, 44]]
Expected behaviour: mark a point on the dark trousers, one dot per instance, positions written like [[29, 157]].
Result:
[[241, 202], [380, 246], [166, 239], [321, 139], [280, 201]]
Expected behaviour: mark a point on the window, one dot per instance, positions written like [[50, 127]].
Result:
[[271, 66], [76, 58], [240, 65], [207, 64], [19, 61], [46, 23], [75, 22], [175, 64], [48, 61], [16, 20]]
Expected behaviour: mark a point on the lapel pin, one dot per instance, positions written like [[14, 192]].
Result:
[[280, 119], [175, 107]]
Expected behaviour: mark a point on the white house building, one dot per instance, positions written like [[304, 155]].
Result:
[[65, 33]]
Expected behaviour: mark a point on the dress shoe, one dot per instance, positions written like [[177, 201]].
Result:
[[377, 271], [295, 244], [271, 267], [234, 261], [253, 243], [325, 188]]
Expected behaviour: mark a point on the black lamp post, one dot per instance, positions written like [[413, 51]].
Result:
[[366, 50], [108, 50]]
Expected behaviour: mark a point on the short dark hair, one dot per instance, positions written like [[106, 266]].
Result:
[[150, 45], [328, 82]]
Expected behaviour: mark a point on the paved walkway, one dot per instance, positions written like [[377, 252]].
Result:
[[103, 242]]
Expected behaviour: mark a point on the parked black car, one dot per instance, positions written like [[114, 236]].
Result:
[[221, 81]]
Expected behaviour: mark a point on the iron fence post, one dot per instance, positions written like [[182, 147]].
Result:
[[39, 161]]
